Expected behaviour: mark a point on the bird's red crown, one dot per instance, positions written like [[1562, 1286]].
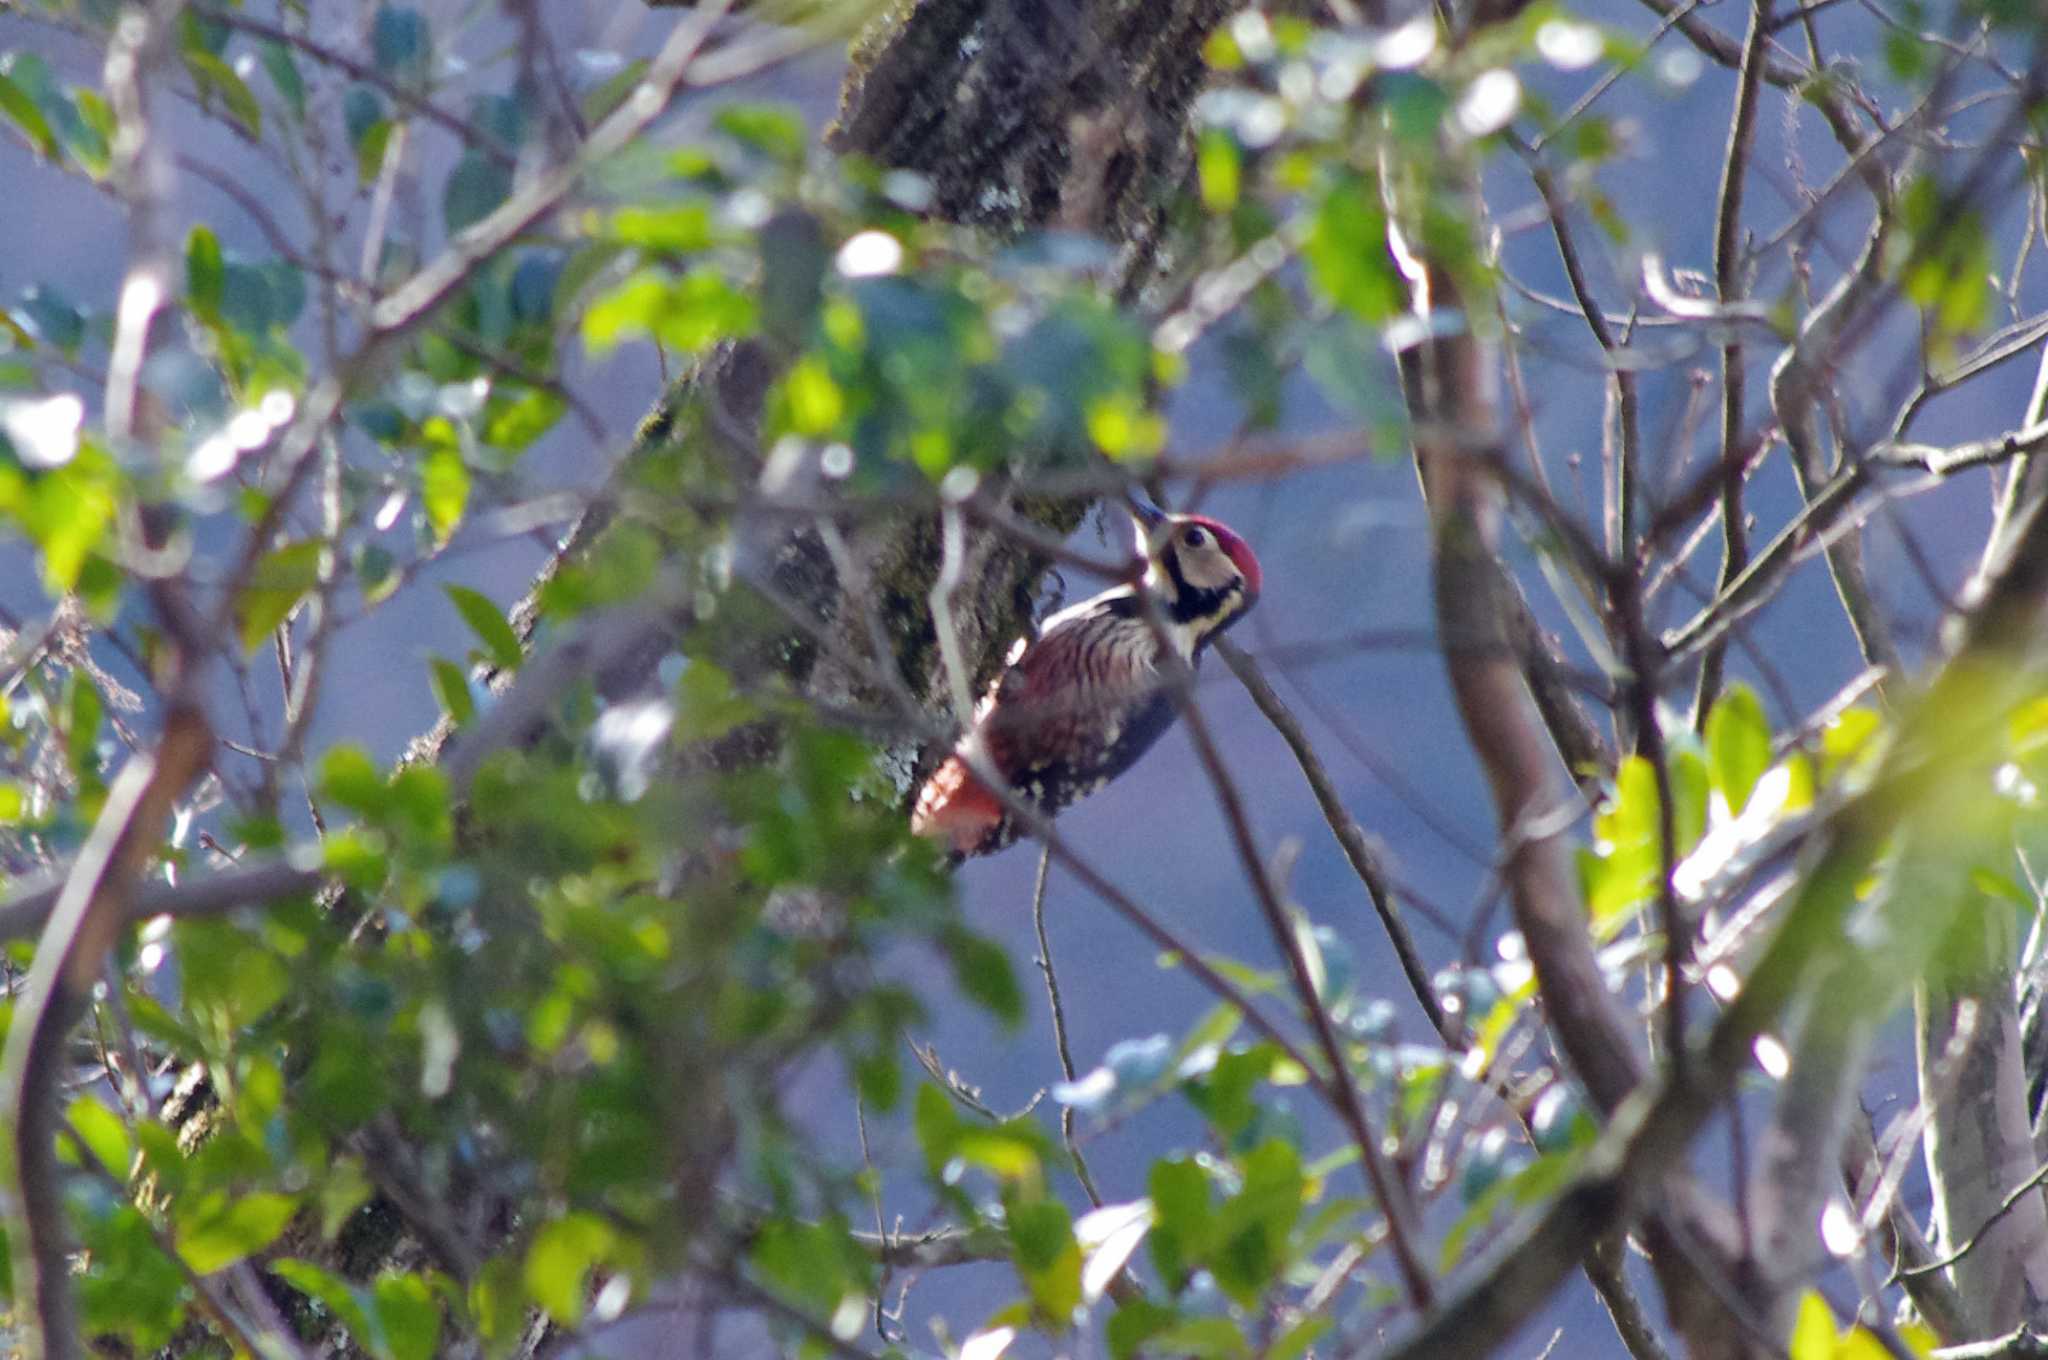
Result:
[[1238, 550]]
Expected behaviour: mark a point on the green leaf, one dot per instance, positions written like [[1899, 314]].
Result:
[[689, 314], [1252, 1227], [1296, 1340], [408, 1317], [131, 1288], [348, 777], [401, 42], [103, 1133], [1135, 1323], [773, 129], [1219, 166], [330, 1290], [450, 685], [284, 75], [52, 317], [487, 621], [1689, 785], [1180, 1201], [1813, 1332], [371, 148], [560, 1260], [475, 188], [444, 490], [344, 1188], [1347, 253], [813, 403], [1203, 1338], [203, 279], [1738, 745], [680, 227], [82, 724], [279, 580], [1048, 1258], [23, 113], [214, 1232], [982, 971], [215, 77], [1009, 1152], [937, 1125]]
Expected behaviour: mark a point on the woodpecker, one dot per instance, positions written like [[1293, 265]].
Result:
[[1076, 705]]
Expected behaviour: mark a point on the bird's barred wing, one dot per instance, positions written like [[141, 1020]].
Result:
[[1072, 710]]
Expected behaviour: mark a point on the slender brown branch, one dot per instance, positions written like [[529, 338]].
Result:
[[1728, 282], [90, 910], [1059, 1025], [246, 885], [1945, 737], [1402, 1232], [1351, 837]]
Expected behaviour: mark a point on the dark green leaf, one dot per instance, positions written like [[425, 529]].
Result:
[[1048, 1257], [487, 621], [284, 75], [330, 1290], [475, 188], [203, 277], [983, 973], [401, 42], [450, 684], [362, 109], [51, 317]]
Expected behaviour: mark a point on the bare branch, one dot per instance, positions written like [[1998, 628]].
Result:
[[89, 912]]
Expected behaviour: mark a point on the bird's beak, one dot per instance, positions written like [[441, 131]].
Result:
[[1149, 519], [1146, 513]]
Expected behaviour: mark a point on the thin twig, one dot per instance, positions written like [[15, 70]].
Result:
[[1728, 282], [1392, 1194], [1059, 1025], [1351, 837]]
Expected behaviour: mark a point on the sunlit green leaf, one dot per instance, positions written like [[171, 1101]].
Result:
[[1347, 254], [215, 1231], [444, 490], [560, 1260], [1738, 745], [102, 1132], [408, 1317]]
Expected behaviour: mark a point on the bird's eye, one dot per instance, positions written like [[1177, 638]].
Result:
[[1195, 536]]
